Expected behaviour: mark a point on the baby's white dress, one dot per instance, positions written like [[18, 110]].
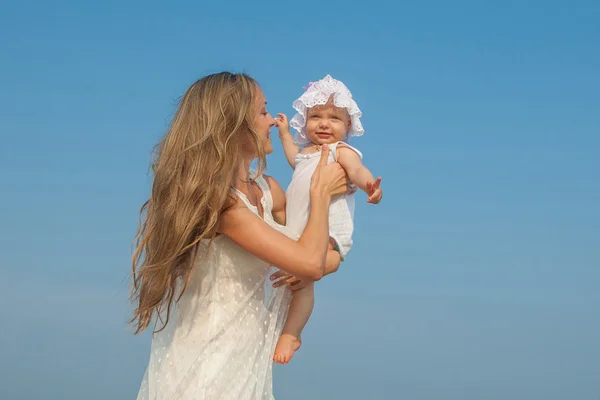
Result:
[[341, 210]]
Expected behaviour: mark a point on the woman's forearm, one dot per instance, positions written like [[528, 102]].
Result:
[[315, 238]]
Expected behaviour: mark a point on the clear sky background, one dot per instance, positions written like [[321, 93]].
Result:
[[477, 276]]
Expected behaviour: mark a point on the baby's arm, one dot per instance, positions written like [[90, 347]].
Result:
[[359, 174], [289, 148]]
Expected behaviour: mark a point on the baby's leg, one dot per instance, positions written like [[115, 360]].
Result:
[[301, 307]]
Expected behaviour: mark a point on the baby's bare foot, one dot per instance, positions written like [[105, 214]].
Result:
[[286, 347]]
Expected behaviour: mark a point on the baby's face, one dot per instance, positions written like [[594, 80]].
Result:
[[326, 124]]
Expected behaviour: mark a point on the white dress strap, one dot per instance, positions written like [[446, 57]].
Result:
[[266, 201], [243, 197], [266, 190], [333, 149]]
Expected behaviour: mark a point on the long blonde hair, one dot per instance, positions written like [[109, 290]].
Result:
[[195, 165]]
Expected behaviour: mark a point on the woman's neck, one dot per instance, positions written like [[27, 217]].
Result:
[[243, 175]]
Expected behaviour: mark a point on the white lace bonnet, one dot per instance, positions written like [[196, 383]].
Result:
[[318, 93]]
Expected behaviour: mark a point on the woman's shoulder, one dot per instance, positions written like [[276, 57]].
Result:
[[277, 193]]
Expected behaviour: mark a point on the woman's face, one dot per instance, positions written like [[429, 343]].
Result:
[[263, 121]]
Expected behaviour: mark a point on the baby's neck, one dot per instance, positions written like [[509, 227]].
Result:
[[313, 148]]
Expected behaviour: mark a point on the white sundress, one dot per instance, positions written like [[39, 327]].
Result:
[[221, 336]]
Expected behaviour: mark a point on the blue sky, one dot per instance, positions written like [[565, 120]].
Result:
[[477, 276]]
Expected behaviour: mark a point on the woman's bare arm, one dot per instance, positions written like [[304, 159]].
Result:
[[332, 262], [278, 196], [305, 258]]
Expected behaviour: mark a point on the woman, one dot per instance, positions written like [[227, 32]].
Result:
[[207, 243]]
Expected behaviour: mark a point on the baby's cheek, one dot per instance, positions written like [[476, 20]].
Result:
[[310, 126]]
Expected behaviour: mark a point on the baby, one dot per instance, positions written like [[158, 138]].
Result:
[[326, 114]]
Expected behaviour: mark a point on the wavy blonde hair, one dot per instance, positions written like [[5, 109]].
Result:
[[194, 167]]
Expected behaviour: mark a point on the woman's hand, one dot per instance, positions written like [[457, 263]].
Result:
[[281, 278], [330, 180]]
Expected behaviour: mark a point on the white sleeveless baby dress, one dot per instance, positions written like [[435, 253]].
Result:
[[341, 210]]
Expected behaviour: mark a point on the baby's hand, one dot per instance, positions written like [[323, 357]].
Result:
[[374, 191], [282, 124]]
